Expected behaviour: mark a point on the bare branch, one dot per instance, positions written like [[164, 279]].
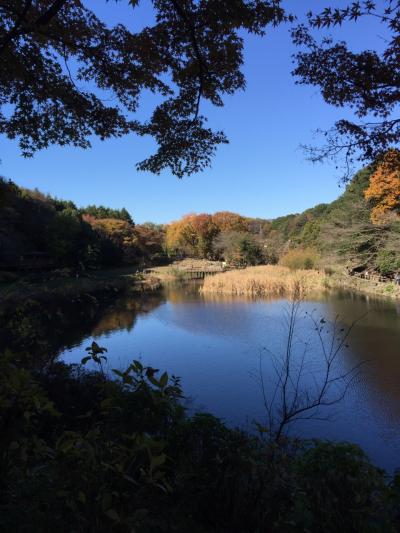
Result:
[[288, 402]]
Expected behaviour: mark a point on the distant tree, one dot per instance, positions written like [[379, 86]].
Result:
[[120, 233], [192, 235], [101, 212], [60, 205], [388, 261], [206, 230], [124, 215], [58, 58], [66, 238], [384, 188], [153, 226], [257, 226], [367, 81], [300, 259], [227, 221], [151, 241], [238, 248], [310, 232]]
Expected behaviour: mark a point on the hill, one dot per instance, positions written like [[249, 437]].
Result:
[[41, 232], [342, 231]]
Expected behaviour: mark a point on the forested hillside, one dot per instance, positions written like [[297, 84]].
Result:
[[344, 232], [361, 229], [38, 231]]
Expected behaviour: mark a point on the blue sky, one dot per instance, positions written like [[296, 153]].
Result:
[[261, 173]]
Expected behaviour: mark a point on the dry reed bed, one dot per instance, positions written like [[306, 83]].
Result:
[[267, 280]]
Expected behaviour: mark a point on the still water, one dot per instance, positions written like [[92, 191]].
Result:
[[214, 343]]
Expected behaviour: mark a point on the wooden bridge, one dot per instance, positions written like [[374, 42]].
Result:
[[198, 274], [195, 272]]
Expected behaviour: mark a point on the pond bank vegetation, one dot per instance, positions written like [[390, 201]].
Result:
[[266, 280], [279, 281], [87, 451]]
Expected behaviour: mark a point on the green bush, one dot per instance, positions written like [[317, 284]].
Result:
[[300, 259], [387, 262]]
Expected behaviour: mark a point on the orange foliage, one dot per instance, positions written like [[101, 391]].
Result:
[[192, 234], [227, 221], [150, 239], [384, 188]]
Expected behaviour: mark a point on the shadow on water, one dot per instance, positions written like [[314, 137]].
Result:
[[43, 329]]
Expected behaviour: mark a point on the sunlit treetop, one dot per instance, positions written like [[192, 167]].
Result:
[[384, 189], [65, 75]]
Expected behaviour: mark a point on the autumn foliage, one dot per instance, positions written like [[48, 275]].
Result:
[[194, 234], [137, 242], [227, 221], [384, 188]]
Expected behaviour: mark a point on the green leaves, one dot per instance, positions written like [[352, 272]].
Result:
[[95, 352]]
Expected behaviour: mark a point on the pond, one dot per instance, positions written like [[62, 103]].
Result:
[[215, 343]]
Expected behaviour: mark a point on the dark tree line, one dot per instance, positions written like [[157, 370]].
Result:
[[40, 231]]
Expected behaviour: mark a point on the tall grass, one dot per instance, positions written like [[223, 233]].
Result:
[[267, 280]]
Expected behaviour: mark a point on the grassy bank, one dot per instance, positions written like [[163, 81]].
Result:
[[273, 280], [267, 280], [178, 270]]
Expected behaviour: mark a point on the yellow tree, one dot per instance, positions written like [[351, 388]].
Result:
[[384, 188], [178, 234], [120, 232]]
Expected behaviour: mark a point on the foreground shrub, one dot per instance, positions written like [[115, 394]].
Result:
[[82, 452], [300, 259]]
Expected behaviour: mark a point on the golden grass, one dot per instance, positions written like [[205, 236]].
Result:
[[267, 280]]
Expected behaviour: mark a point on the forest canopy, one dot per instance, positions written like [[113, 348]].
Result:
[[69, 76]]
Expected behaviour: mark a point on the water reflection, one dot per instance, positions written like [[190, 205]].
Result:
[[213, 344], [122, 315]]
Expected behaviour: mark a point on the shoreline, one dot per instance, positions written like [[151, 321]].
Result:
[[97, 284], [105, 284], [273, 280], [366, 286]]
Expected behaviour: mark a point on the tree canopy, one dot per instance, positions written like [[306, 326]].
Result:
[[66, 75], [367, 82]]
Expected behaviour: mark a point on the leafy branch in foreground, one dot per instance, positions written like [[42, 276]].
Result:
[[67, 75], [367, 81]]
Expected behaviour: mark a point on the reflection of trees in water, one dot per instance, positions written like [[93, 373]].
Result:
[[215, 314], [182, 292], [39, 330], [122, 315], [375, 339]]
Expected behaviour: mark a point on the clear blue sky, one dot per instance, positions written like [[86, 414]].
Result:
[[262, 172]]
